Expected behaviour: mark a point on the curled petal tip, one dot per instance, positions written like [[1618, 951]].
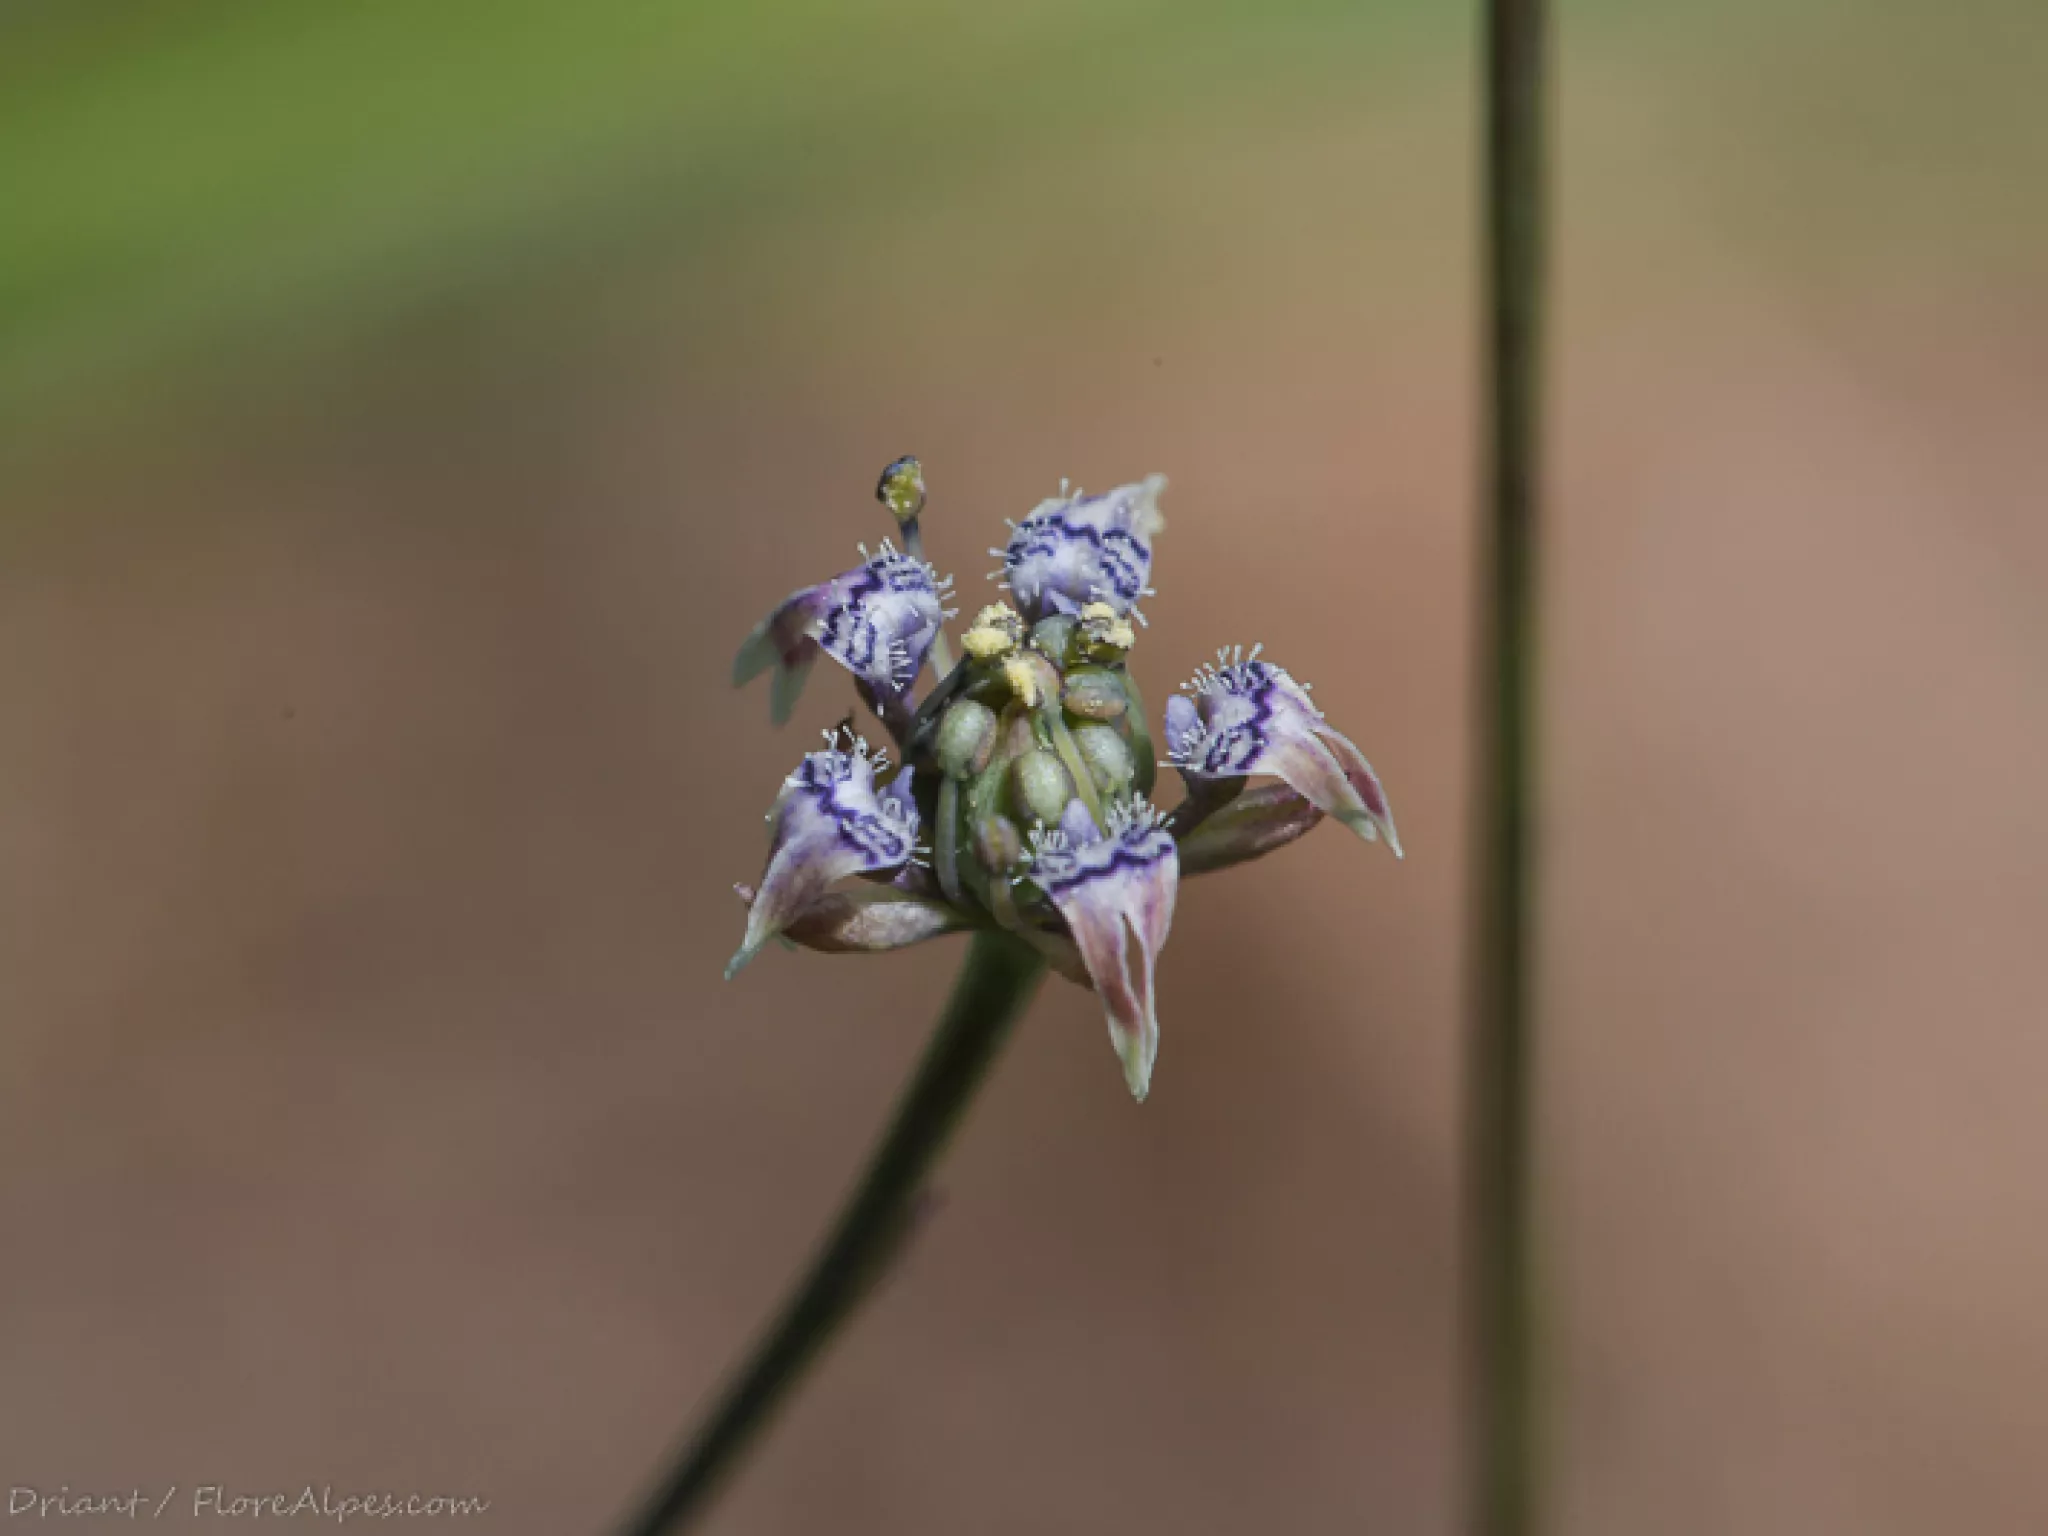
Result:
[[1137, 1060], [779, 646], [1248, 716], [1371, 829], [1360, 823], [763, 924], [1115, 889], [757, 653], [785, 688], [1363, 803]]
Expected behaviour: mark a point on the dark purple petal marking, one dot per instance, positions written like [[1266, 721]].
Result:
[[830, 822], [835, 790], [1241, 715], [882, 618], [1074, 550], [1115, 889], [1134, 844], [877, 620]]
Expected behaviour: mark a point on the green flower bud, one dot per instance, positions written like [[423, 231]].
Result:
[[1107, 755], [1015, 735], [1042, 785], [967, 738], [1094, 695], [1053, 636]]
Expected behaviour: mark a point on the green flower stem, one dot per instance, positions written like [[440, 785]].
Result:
[[1144, 755], [946, 839], [1077, 766], [996, 982], [1505, 1454]]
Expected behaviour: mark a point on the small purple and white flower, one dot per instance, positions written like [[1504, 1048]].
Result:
[[877, 620], [831, 820], [1241, 716], [1115, 889], [1028, 763], [1074, 550]]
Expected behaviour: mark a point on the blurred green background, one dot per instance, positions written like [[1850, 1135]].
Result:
[[404, 407]]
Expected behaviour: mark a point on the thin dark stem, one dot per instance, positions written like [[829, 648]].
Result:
[[996, 982], [1505, 1495]]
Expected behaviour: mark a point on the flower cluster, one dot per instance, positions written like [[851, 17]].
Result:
[[1022, 798]]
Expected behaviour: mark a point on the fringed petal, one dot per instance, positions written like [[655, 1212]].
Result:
[[1366, 811], [877, 620], [830, 822], [1115, 889], [1074, 550], [1247, 716]]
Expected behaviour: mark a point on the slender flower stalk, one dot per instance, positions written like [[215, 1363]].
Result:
[[1017, 807], [995, 986], [1504, 1454]]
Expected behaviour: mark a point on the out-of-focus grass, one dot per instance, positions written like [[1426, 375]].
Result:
[[238, 170], [185, 188]]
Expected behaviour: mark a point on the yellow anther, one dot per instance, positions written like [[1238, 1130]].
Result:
[[1021, 673], [997, 631], [1102, 625]]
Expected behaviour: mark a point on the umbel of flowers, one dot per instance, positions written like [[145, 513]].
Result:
[[1019, 795]]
